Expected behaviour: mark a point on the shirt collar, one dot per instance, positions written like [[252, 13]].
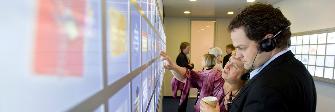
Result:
[[256, 71]]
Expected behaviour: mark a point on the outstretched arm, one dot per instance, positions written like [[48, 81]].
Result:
[[177, 71]]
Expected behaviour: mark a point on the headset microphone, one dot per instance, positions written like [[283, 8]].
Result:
[[253, 62], [247, 75]]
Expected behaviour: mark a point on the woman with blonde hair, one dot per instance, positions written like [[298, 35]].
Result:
[[235, 77], [209, 81], [217, 52]]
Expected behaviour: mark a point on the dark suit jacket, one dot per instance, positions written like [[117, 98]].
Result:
[[284, 85]]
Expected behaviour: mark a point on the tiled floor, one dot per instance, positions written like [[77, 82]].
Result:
[[171, 105]]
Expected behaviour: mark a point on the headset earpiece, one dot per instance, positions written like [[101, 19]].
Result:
[[267, 45]]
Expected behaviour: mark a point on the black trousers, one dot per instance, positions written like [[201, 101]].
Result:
[[183, 106]]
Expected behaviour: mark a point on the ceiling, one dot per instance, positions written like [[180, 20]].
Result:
[[206, 8]]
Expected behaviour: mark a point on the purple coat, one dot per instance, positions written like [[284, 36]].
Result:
[[209, 82]]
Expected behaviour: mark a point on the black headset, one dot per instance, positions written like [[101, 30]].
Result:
[[269, 44], [266, 45]]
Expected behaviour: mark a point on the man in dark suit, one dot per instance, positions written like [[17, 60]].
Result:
[[229, 49], [278, 82]]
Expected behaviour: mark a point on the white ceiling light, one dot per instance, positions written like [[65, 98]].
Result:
[[187, 12], [193, 0], [230, 12], [250, 0]]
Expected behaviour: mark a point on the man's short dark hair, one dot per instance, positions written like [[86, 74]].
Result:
[[230, 46], [260, 19], [183, 45]]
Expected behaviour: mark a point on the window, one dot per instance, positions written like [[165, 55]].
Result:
[[313, 39], [311, 60], [331, 37], [320, 60], [305, 49], [331, 49], [313, 49], [311, 70], [299, 40], [298, 57], [319, 71], [305, 39], [322, 38], [298, 49], [329, 61], [321, 49], [329, 73], [304, 59], [316, 52], [292, 48], [293, 40]]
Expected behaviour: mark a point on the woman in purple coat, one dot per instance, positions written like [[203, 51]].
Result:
[[210, 82]]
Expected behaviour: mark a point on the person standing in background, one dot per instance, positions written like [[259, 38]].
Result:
[[217, 52], [229, 49], [182, 61]]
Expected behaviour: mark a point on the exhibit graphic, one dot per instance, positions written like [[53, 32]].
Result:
[[59, 37]]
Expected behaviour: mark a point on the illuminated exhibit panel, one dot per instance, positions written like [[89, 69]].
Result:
[[117, 39], [136, 38], [63, 53], [118, 51], [57, 59], [136, 59]]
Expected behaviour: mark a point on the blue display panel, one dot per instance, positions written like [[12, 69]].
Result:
[[152, 44], [117, 39], [136, 38], [149, 10], [136, 59], [144, 6], [148, 86], [145, 41], [152, 11], [146, 89], [118, 52], [120, 102], [51, 59], [151, 108], [137, 94]]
